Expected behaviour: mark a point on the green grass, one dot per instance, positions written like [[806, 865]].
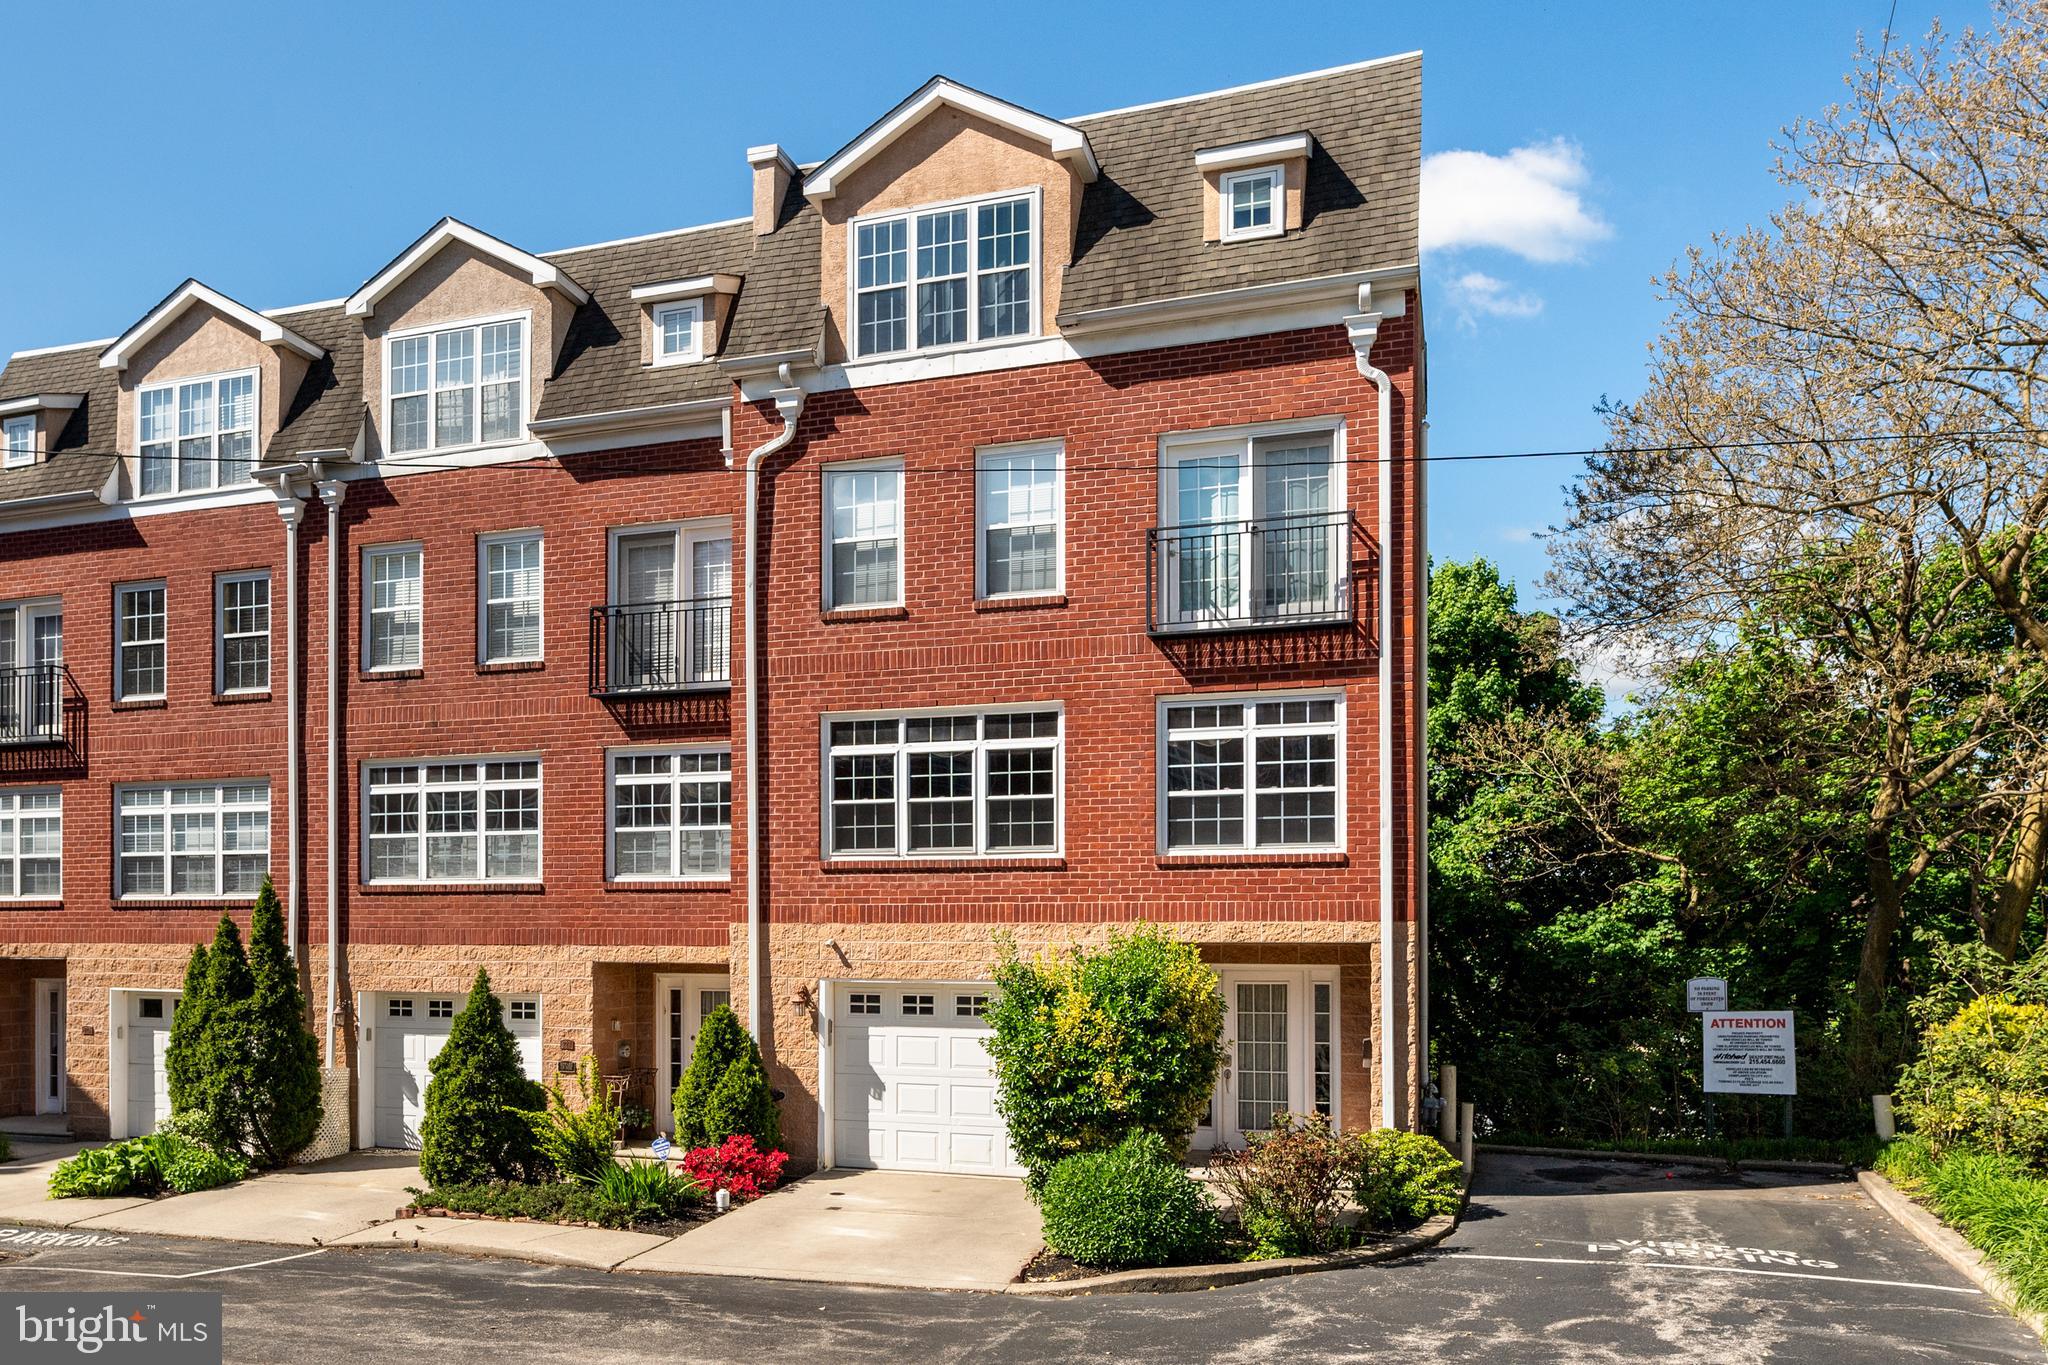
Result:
[[1998, 1205], [1734, 1151]]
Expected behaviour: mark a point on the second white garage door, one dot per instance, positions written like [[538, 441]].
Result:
[[912, 1088], [410, 1032]]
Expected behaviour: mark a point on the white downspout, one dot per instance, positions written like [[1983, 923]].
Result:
[[789, 405], [1364, 327], [291, 509], [332, 492]]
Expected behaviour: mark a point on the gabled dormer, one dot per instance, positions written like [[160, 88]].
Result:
[[202, 383], [947, 225], [461, 332]]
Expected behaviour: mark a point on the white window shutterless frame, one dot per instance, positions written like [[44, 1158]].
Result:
[[241, 633], [1251, 773], [510, 587], [1250, 524], [31, 651], [944, 275], [678, 332], [393, 577], [20, 440], [669, 814], [671, 587], [450, 387], [1252, 203], [863, 535], [1281, 1051], [195, 433], [141, 626], [1020, 520]]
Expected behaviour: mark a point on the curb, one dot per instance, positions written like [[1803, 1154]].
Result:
[[1944, 1242], [1181, 1279], [1670, 1159]]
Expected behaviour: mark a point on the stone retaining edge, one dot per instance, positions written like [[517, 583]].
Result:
[[1949, 1245]]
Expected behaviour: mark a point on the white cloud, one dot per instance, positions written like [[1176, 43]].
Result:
[[1529, 202], [1520, 535], [1475, 294], [1615, 669]]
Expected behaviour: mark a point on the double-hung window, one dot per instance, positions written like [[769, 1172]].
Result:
[[19, 436], [467, 821], [671, 815], [391, 607], [1251, 773], [198, 839], [140, 625], [197, 433], [1021, 508], [864, 535], [509, 588], [948, 784], [1253, 204], [242, 632], [945, 276], [31, 845], [456, 386], [678, 332]]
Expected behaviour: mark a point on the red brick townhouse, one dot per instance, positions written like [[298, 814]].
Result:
[[1011, 526]]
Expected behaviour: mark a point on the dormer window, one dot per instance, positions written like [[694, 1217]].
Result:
[[196, 433], [19, 437], [1251, 204], [678, 333], [456, 386], [967, 266]]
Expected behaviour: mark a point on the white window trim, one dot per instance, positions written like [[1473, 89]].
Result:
[[121, 591], [14, 818], [910, 215], [484, 599], [214, 483], [527, 394], [1252, 850], [980, 852], [1058, 449], [220, 633], [218, 807], [611, 814], [1173, 445], [18, 459], [1277, 227], [686, 533], [363, 820], [368, 613], [660, 311], [825, 539]]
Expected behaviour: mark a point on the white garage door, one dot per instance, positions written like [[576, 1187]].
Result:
[[911, 1085], [410, 1031], [149, 1084]]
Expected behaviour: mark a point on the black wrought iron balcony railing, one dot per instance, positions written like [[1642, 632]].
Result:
[[651, 649], [37, 704], [1268, 573]]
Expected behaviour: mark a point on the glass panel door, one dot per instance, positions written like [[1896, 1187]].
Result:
[[1294, 559], [1262, 1070], [646, 646], [1203, 572], [710, 627]]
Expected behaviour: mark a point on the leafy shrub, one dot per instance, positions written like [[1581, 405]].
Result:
[[578, 1142], [642, 1190], [146, 1166], [1997, 1204], [736, 1165], [725, 1089], [1288, 1185], [1981, 1082], [1398, 1179], [189, 1168], [1133, 1205], [472, 1130], [1091, 1045], [95, 1173]]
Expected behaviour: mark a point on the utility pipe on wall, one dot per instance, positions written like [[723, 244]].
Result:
[[291, 509], [332, 492], [789, 405]]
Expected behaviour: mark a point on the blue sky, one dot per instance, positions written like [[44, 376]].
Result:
[[283, 154]]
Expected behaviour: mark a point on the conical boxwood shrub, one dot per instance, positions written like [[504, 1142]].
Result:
[[725, 1090], [286, 1113], [473, 1129], [188, 1021]]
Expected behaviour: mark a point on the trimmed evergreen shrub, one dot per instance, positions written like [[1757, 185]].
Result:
[[725, 1089], [1093, 1044], [473, 1131], [218, 1085], [188, 1022], [1133, 1205], [286, 1062], [1400, 1179]]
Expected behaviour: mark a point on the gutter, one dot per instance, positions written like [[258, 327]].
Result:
[[789, 405], [1363, 328], [291, 509], [1246, 298], [332, 492], [627, 419]]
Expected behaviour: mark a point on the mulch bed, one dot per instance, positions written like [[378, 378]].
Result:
[[666, 1227]]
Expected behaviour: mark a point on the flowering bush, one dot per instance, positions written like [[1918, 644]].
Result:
[[735, 1165]]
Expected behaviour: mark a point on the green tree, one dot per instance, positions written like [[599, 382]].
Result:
[[221, 1084], [725, 1088], [286, 1061], [473, 1129], [188, 1021]]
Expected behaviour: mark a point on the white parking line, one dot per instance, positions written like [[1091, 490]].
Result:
[[160, 1275], [1697, 1266]]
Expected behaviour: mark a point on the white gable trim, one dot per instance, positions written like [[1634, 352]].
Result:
[[269, 331], [1263, 152], [1066, 142], [695, 287], [363, 303]]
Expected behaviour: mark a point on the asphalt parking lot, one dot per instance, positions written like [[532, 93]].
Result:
[[1559, 1260]]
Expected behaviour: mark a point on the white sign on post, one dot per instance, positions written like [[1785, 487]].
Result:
[[1749, 1052], [1704, 993]]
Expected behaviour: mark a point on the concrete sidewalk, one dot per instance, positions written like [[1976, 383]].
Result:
[[25, 1188], [892, 1228], [296, 1206]]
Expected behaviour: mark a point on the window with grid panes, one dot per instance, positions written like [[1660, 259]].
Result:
[[472, 821], [1251, 774], [948, 784]]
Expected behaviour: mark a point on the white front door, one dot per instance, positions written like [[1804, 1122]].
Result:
[[681, 1004], [912, 1088], [1280, 1051], [149, 1076], [407, 1033], [51, 1082]]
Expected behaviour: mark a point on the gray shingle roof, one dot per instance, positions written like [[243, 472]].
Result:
[[78, 461], [778, 308], [327, 411]]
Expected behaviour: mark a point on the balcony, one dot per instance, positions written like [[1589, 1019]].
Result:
[[42, 720], [1273, 573], [659, 649]]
